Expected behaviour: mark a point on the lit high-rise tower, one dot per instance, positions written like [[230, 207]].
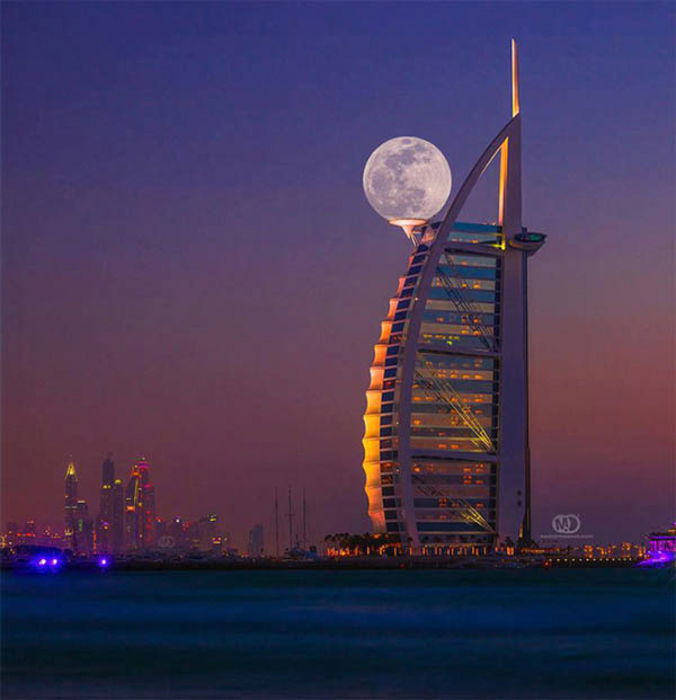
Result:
[[446, 424], [106, 503], [140, 512], [70, 510], [133, 510], [149, 510]]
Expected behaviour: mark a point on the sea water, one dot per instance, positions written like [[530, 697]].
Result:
[[560, 633]]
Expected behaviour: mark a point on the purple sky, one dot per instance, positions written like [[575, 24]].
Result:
[[192, 273]]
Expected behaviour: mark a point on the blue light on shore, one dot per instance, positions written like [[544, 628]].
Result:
[[44, 563]]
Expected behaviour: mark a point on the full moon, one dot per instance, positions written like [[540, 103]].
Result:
[[407, 178]]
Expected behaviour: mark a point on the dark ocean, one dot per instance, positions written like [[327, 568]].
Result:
[[562, 633]]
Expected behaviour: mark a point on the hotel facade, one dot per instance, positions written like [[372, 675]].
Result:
[[446, 451]]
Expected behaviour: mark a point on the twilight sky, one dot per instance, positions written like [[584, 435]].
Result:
[[191, 271]]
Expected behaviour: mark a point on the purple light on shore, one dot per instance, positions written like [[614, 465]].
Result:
[[103, 562], [658, 558]]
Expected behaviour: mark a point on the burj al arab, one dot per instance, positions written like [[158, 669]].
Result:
[[446, 444]]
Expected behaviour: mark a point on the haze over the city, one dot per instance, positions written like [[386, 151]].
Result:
[[191, 271]]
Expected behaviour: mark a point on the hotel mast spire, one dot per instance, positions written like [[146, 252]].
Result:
[[515, 78], [509, 193]]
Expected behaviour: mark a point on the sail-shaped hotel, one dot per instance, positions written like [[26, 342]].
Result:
[[446, 424]]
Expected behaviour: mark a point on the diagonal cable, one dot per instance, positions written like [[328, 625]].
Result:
[[444, 392], [470, 314]]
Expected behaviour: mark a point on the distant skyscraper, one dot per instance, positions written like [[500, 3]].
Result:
[[203, 534], [105, 518], [133, 510], [446, 425], [70, 505], [149, 506], [140, 511], [256, 542], [108, 471], [83, 535], [117, 517]]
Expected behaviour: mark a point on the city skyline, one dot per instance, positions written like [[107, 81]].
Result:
[[123, 518], [194, 275]]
